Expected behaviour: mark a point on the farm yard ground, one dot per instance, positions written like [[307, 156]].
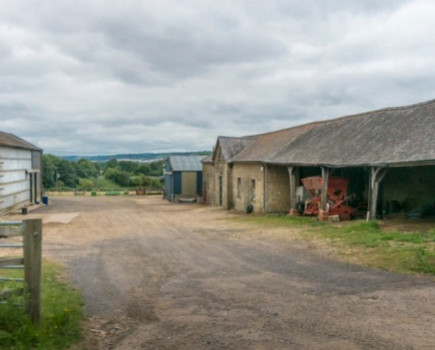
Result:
[[155, 275]]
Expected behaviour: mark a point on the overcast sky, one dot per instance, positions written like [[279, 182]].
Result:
[[104, 77]]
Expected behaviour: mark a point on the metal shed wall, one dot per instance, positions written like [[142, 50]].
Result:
[[199, 183], [14, 179], [177, 182], [168, 185]]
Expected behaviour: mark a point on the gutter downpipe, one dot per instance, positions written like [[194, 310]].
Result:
[[264, 187]]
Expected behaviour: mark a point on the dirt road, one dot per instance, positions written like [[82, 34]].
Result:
[[160, 276]]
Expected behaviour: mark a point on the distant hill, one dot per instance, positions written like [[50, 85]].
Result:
[[135, 157]]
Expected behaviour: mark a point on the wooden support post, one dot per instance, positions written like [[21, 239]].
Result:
[[292, 179], [376, 176], [32, 266], [323, 210], [265, 188]]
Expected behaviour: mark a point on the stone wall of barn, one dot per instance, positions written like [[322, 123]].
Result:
[[248, 187], [278, 189], [209, 188], [221, 184]]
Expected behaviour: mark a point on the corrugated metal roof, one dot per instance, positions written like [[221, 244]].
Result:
[[383, 137], [186, 163], [10, 140]]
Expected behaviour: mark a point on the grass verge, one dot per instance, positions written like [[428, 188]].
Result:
[[61, 315], [364, 243]]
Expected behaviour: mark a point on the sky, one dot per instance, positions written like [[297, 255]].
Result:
[[105, 77]]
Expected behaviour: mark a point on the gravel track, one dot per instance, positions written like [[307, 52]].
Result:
[[156, 275]]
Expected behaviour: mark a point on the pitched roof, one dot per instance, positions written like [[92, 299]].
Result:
[[267, 145], [390, 136], [230, 146], [186, 163], [10, 140], [207, 160]]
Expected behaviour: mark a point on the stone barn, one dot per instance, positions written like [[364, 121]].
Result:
[[387, 157], [221, 169], [20, 173]]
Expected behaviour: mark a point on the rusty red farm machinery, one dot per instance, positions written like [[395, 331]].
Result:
[[337, 197]]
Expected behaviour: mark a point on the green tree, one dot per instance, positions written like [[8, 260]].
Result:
[[86, 169], [113, 163], [86, 184], [143, 169], [122, 178], [49, 166], [151, 169], [136, 181], [127, 166], [67, 173]]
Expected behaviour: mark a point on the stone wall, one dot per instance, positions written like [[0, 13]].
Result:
[[248, 186], [208, 179], [278, 189]]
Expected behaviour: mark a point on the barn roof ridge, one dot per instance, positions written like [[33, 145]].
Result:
[[337, 119], [391, 135]]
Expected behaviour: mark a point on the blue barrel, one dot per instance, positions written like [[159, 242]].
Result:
[[45, 200]]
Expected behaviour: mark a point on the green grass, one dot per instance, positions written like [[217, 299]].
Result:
[[61, 315], [364, 242], [281, 220]]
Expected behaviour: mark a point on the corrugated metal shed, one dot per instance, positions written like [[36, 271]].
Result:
[[10, 140], [20, 172], [186, 163]]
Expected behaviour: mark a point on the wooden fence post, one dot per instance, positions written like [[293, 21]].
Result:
[[292, 184], [32, 240]]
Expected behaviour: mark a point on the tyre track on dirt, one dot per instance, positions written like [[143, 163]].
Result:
[[162, 276]]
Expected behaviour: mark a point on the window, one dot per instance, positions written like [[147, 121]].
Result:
[[239, 187], [252, 189]]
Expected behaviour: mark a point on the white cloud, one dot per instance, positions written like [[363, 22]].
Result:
[[136, 76]]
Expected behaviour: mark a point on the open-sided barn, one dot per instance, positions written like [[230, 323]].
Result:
[[20, 173], [387, 157]]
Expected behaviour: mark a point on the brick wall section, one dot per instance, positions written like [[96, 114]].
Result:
[[278, 189], [241, 199]]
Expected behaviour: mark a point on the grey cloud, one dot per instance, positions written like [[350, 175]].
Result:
[[132, 76]]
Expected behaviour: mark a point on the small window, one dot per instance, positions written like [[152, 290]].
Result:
[[252, 189], [239, 187]]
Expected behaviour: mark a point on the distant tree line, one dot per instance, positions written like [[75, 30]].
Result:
[[87, 175]]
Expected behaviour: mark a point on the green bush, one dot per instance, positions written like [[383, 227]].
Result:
[[86, 184], [60, 325]]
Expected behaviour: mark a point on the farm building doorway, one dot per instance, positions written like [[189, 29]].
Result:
[[188, 184], [33, 186]]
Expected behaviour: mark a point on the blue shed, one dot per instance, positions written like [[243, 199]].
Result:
[[183, 177]]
